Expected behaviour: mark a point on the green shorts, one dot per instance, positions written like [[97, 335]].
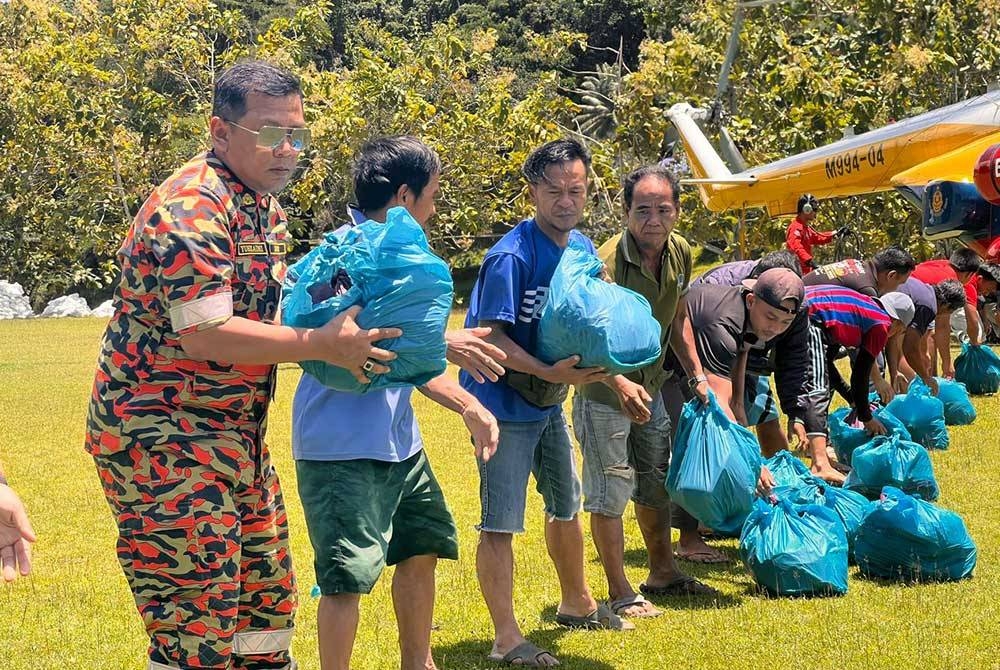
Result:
[[365, 514]]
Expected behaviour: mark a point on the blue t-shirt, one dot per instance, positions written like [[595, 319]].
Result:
[[512, 287], [331, 425]]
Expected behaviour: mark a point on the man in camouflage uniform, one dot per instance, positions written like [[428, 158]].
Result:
[[186, 372]]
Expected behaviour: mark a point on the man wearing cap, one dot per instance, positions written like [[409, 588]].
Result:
[[842, 317], [801, 237], [882, 273]]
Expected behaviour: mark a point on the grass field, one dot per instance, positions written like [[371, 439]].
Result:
[[76, 611]]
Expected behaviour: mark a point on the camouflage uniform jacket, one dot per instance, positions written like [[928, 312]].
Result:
[[203, 248]]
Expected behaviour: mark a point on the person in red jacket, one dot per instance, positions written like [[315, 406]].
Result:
[[801, 237]]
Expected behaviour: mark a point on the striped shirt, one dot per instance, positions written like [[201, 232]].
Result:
[[849, 318]]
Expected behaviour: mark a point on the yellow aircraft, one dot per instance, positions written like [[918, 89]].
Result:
[[930, 159]]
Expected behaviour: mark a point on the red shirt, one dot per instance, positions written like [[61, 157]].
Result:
[[935, 272], [800, 239]]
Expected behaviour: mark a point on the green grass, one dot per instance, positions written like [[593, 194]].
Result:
[[76, 610]]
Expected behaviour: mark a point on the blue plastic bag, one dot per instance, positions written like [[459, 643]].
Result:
[[958, 408], [607, 325], [978, 367], [903, 537], [795, 550], [846, 438], [787, 470], [390, 270], [714, 468], [923, 416], [890, 461], [850, 506]]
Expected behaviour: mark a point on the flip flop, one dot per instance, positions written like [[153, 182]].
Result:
[[527, 653], [682, 586], [703, 557], [600, 619], [619, 606]]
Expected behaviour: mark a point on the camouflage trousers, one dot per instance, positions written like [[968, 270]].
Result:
[[203, 542]]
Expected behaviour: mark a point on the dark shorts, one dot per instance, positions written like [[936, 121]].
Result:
[[365, 514]]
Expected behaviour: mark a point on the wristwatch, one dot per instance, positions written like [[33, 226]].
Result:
[[694, 381]]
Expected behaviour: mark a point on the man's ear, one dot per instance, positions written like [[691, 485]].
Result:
[[220, 132]]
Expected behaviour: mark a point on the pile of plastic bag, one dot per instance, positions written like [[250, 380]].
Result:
[[923, 416], [891, 461], [607, 325], [715, 466], [794, 549], [390, 270], [978, 367], [903, 537]]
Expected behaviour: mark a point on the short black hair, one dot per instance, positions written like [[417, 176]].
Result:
[[950, 293], [387, 163], [777, 259], [965, 260], [553, 153], [234, 86], [658, 171], [894, 259], [806, 199]]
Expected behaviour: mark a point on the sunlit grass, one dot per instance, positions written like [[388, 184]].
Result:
[[76, 610]]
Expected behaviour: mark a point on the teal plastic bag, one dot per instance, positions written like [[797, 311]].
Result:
[[390, 270], [958, 407], [845, 437], [978, 367], [607, 325], [787, 470], [795, 550], [714, 468], [890, 461], [905, 538], [923, 416], [850, 506]]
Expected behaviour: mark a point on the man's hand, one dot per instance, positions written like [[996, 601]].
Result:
[[948, 371], [634, 399], [342, 343], [765, 483], [932, 384], [900, 383], [875, 427], [565, 372], [796, 430], [16, 535], [701, 390], [468, 350], [484, 430], [885, 392]]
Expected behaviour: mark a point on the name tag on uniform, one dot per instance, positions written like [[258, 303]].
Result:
[[261, 248]]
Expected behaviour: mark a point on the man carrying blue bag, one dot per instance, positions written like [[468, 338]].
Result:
[[368, 491], [509, 297], [621, 424]]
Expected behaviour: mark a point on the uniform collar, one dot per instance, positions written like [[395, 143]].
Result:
[[630, 250], [242, 194]]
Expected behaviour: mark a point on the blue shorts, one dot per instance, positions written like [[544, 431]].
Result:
[[539, 448]]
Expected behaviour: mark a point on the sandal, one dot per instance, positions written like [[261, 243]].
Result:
[[600, 619], [682, 586], [620, 605], [526, 654]]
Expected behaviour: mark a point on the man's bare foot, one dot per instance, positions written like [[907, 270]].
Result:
[[829, 474]]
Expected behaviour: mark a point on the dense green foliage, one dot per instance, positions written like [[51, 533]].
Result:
[[103, 99]]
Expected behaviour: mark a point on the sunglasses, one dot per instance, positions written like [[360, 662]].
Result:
[[272, 137]]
